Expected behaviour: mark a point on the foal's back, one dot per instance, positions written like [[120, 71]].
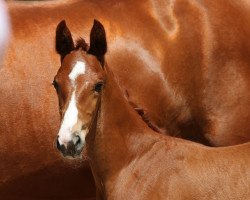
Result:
[[176, 169]]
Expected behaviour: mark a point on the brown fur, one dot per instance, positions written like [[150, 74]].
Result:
[[131, 161], [199, 47], [144, 116]]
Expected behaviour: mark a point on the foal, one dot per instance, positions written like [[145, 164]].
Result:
[[128, 159]]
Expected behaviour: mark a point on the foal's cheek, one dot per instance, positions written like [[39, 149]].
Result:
[[87, 105]]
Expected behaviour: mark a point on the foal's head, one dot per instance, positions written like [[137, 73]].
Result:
[[78, 83]]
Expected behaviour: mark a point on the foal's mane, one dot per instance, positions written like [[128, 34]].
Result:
[[141, 112], [81, 44]]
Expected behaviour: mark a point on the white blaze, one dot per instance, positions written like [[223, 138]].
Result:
[[71, 115], [69, 120], [77, 70]]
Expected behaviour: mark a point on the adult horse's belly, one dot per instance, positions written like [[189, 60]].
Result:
[[188, 70]]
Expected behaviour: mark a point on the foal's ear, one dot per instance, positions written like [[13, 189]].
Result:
[[64, 41], [98, 43]]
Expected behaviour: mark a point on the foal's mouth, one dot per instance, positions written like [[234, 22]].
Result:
[[73, 156], [74, 147]]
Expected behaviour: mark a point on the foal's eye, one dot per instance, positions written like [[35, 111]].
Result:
[[98, 87]]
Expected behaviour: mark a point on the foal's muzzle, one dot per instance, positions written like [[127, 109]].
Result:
[[72, 148]]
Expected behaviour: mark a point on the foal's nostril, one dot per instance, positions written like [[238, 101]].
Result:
[[77, 140], [58, 146]]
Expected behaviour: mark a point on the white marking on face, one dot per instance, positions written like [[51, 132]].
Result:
[[69, 120], [77, 70]]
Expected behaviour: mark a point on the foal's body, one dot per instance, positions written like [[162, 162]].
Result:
[[130, 161]]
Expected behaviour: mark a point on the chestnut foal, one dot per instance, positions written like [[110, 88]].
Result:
[[128, 159]]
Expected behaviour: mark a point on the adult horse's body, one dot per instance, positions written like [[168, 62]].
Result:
[[127, 158], [198, 51], [188, 69]]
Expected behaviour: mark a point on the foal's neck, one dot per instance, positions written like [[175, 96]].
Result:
[[119, 133]]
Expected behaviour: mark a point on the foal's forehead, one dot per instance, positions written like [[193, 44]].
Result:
[[79, 62], [78, 69]]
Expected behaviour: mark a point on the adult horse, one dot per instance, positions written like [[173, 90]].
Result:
[[187, 69], [182, 85], [127, 158], [194, 50]]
